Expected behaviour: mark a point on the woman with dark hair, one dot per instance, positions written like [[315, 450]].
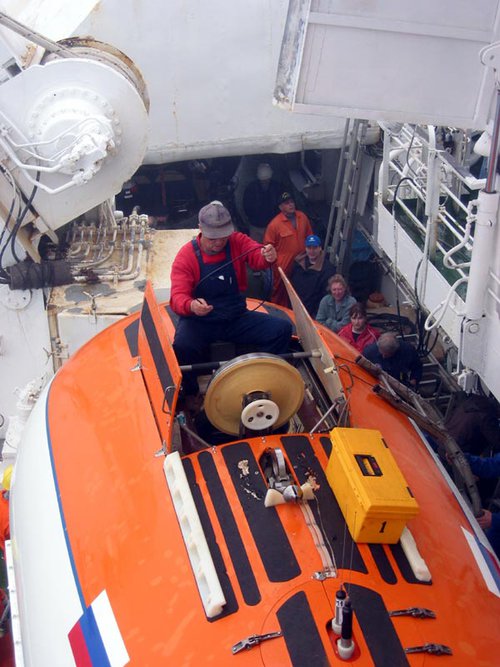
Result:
[[333, 310], [358, 332]]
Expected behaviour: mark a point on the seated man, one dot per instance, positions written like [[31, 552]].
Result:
[[310, 274], [207, 280], [397, 358]]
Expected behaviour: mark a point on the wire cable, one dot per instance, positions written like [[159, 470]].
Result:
[[11, 239], [396, 279]]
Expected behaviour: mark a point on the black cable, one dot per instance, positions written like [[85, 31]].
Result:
[[233, 259], [408, 153], [9, 216], [11, 239], [20, 219], [423, 337]]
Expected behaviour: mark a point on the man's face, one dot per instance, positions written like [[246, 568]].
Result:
[[213, 246], [313, 252], [288, 207]]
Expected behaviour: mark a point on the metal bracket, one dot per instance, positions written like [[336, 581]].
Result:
[[162, 451], [490, 57], [138, 365]]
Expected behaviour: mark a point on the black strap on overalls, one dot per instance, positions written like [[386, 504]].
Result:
[[218, 285]]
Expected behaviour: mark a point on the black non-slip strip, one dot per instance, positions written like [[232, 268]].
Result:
[[231, 605], [327, 445], [326, 511], [173, 316], [300, 632], [267, 530], [154, 343], [383, 564], [377, 627], [404, 566], [131, 334], [239, 557]]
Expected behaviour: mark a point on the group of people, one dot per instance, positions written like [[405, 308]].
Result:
[[322, 290], [209, 277]]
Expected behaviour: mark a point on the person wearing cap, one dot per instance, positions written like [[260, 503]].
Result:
[[208, 279], [287, 232], [260, 201], [310, 273]]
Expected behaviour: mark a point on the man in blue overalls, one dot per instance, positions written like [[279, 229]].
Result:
[[207, 280]]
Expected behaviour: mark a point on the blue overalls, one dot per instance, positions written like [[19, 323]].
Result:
[[219, 287], [228, 321]]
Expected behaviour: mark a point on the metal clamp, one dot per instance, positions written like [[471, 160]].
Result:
[[433, 649], [416, 612], [254, 640]]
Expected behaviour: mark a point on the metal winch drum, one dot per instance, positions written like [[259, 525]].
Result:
[[253, 392]]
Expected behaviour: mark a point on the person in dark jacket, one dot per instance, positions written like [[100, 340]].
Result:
[[260, 201], [474, 425], [310, 274], [397, 358], [487, 468]]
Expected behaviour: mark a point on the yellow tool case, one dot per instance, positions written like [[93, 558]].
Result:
[[370, 489]]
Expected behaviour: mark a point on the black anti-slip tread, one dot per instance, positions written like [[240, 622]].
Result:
[[267, 530], [159, 359], [132, 334], [383, 564], [300, 632], [377, 627], [239, 557]]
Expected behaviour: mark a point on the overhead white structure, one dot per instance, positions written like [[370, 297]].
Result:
[[210, 69], [394, 60]]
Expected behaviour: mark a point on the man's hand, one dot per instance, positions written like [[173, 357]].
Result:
[[485, 520], [200, 307], [269, 253]]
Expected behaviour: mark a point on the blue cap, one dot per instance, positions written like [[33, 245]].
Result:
[[312, 240]]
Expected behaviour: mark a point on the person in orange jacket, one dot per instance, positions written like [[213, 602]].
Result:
[[287, 232]]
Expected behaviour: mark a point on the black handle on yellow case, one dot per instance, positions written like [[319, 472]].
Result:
[[368, 465]]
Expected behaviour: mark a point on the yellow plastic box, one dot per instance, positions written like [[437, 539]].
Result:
[[370, 489]]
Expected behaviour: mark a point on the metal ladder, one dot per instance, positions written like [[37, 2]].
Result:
[[342, 210]]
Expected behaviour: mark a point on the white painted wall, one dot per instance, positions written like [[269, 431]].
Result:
[[24, 333], [210, 68]]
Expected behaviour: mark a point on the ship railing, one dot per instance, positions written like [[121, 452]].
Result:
[[420, 180]]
